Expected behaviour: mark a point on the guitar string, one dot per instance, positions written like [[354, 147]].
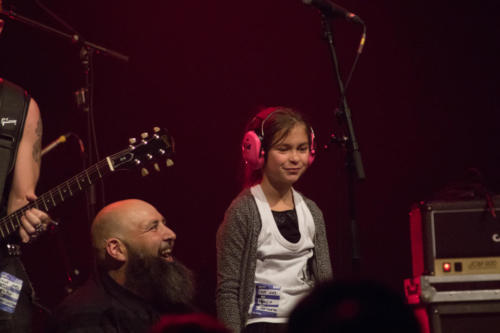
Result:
[[44, 198], [47, 196]]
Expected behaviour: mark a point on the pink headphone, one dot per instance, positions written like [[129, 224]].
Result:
[[251, 146]]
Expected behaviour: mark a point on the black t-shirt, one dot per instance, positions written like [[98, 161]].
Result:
[[288, 225], [103, 306]]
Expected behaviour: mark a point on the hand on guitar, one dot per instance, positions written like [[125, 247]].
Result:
[[34, 222]]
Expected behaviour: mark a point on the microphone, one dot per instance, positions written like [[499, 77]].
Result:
[[55, 143], [331, 9]]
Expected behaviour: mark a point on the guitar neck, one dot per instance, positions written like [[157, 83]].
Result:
[[57, 195], [160, 144]]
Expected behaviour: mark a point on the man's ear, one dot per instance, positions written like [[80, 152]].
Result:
[[116, 249]]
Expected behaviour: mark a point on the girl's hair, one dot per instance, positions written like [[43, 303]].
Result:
[[272, 125]]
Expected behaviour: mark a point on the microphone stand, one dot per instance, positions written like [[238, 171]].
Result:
[[354, 163], [75, 38], [85, 102], [84, 96]]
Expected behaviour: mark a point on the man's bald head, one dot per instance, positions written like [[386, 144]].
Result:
[[119, 220]]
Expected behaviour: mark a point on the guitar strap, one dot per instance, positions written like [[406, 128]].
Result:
[[14, 103]]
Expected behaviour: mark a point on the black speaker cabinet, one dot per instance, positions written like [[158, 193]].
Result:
[[456, 303], [456, 238], [465, 317]]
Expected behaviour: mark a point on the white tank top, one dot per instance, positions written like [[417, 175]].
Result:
[[281, 276]]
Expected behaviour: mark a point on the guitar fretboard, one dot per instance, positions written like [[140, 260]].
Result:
[[57, 195]]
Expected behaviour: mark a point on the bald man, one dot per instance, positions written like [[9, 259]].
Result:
[[137, 278]]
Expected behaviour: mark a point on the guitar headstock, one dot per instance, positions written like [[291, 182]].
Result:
[[151, 149]]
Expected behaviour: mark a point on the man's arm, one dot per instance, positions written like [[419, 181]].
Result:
[[26, 173]]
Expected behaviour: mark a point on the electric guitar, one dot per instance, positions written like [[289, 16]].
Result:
[[140, 153]]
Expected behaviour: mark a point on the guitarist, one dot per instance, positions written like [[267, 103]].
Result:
[[20, 146]]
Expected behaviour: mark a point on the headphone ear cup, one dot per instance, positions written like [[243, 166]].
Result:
[[312, 148], [312, 156], [251, 149]]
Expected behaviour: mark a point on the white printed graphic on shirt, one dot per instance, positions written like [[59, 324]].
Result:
[[7, 121]]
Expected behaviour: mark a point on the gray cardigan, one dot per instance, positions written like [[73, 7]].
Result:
[[237, 256]]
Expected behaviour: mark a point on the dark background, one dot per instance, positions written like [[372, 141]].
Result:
[[424, 102]]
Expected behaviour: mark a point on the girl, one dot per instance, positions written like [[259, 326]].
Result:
[[271, 246]]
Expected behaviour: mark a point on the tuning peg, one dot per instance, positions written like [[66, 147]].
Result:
[[161, 151], [156, 129], [137, 161], [144, 172], [157, 167], [144, 135], [132, 140], [149, 156], [169, 162]]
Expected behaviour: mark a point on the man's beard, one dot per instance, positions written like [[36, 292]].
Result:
[[168, 285]]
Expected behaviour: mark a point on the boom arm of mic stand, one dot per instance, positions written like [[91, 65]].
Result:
[[75, 38]]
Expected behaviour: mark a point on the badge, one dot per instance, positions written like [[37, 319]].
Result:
[[10, 288], [267, 299]]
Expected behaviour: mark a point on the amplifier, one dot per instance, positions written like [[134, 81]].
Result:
[[455, 237], [456, 304], [465, 317]]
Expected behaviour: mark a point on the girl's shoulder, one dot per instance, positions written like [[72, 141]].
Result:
[[310, 204], [239, 214], [244, 200]]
